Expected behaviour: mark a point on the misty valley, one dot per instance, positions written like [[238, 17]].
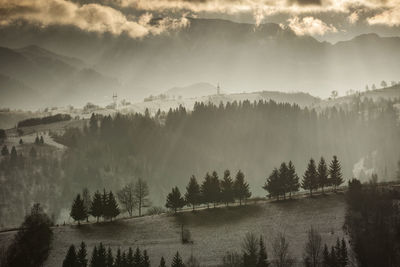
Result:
[[199, 133]]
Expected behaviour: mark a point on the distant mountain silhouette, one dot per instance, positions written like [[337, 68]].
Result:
[[57, 79], [240, 56]]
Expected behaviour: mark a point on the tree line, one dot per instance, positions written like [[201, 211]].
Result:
[[285, 181], [43, 120], [132, 196], [102, 257], [211, 191], [253, 254]]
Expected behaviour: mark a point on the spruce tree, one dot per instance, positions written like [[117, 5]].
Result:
[[41, 141], [241, 188], [326, 258], [37, 141], [21, 142], [78, 211], [118, 259], [227, 193], [4, 151], [96, 208], [111, 209], [109, 258], [294, 184], [310, 181], [174, 200], [146, 259], [335, 173], [102, 256], [215, 188], [70, 259], [206, 190], [162, 262], [124, 261], [284, 183], [344, 258], [129, 258], [94, 260], [262, 260], [137, 258], [272, 185], [81, 255], [93, 124], [177, 261], [323, 180], [104, 204], [192, 195]]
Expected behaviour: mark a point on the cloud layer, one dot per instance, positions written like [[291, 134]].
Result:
[[90, 17], [302, 16]]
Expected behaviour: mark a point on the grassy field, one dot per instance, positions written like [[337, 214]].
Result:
[[213, 231]]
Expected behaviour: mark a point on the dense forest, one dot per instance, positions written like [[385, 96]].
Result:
[[167, 148]]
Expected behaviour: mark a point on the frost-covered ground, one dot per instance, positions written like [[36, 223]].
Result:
[[213, 231]]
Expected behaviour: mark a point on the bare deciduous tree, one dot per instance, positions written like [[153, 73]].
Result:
[[141, 192], [313, 249], [126, 197], [280, 252]]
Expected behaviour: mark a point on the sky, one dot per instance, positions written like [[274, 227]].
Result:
[[329, 20]]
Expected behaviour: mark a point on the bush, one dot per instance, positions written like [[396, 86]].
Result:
[[155, 211], [44, 120]]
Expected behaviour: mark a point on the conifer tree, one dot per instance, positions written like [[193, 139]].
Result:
[[124, 261], [310, 181], [215, 188], [262, 260], [162, 262], [96, 208], [109, 258], [174, 200], [146, 259], [70, 259], [102, 256], [93, 124], [81, 255], [323, 180], [192, 195], [137, 258], [104, 204], [293, 179], [206, 190], [37, 141], [111, 209], [335, 173], [326, 259], [241, 188], [272, 185], [41, 141], [227, 193], [21, 142], [284, 179], [344, 258], [118, 259], [129, 257], [94, 260], [177, 261], [4, 151], [78, 211]]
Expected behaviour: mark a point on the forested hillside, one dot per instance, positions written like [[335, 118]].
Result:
[[165, 150]]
